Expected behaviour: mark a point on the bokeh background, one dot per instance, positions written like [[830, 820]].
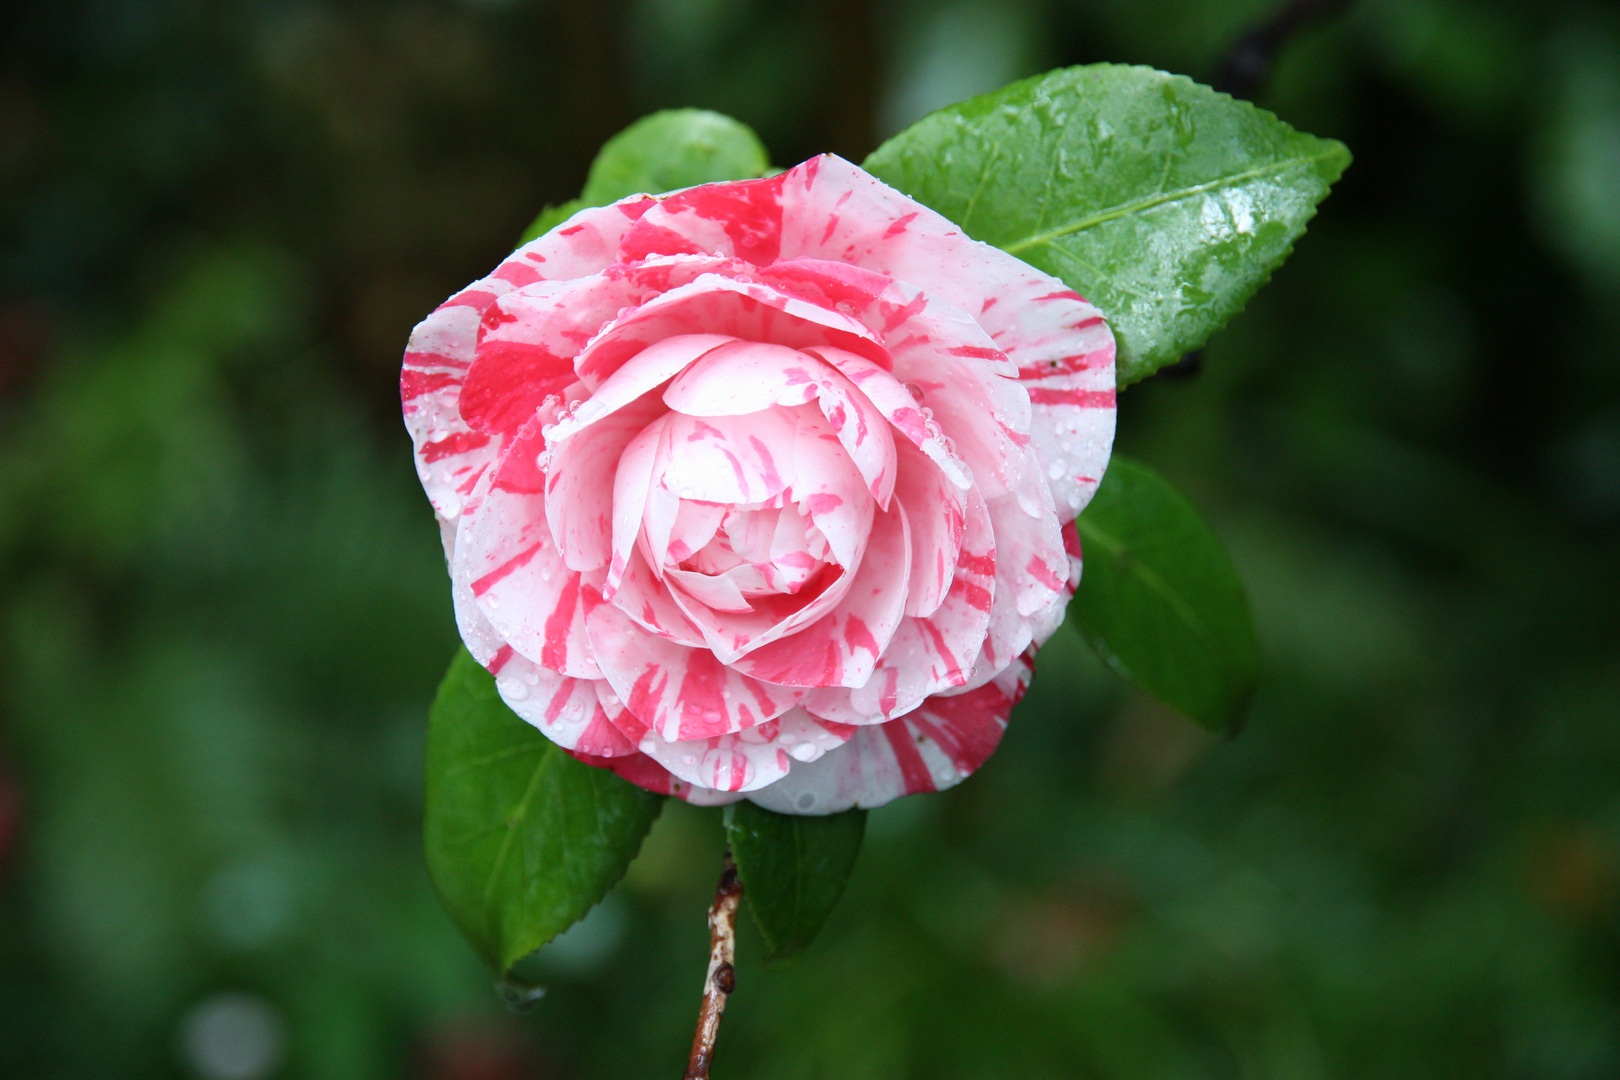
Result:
[[223, 608]]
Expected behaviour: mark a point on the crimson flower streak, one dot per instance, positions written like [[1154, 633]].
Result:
[[763, 489]]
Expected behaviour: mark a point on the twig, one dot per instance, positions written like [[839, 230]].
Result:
[[1248, 62], [722, 976]]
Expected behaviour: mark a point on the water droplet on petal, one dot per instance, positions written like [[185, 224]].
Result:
[[511, 689]]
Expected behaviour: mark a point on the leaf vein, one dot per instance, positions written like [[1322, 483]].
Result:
[[1159, 199]]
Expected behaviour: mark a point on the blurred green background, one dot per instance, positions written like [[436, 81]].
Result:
[[223, 608]]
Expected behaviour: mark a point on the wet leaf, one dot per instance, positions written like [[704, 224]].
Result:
[[1160, 600], [1163, 202], [522, 840], [793, 869]]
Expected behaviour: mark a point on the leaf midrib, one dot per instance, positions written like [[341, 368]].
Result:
[[1159, 199], [512, 820]]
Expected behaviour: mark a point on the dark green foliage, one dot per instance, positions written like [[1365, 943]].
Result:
[[793, 870], [1160, 600], [1164, 203], [521, 839]]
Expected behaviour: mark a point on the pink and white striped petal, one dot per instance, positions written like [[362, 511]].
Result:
[[744, 377], [649, 603], [450, 455], [732, 635], [580, 475], [632, 480], [927, 655], [751, 759], [899, 407], [676, 692], [843, 646], [727, 459], [717, 304], [827, 484], [937, 510], [749, 376], [1031, 560], [717, 592], [638, 376], [510, 565], [585, 244], [1073, 432], [930, 749], [695, 526], [563, 708], [743, 219]]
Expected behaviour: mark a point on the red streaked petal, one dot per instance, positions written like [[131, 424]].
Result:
[[843, 646], [930, 749], [580, 478], [827, 484], [717, 304], [679, 693], [891, 399], [937, 510]]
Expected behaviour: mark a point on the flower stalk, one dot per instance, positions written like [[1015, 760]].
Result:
[[721, 978]]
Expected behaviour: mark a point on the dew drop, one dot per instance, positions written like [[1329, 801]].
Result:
[[805, 801], [802, 752], [914, 390], [512, 689], [1057, 469]]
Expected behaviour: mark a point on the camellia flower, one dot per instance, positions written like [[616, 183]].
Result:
[[763, 489]]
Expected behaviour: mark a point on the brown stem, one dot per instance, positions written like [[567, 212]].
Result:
[[722, 976]]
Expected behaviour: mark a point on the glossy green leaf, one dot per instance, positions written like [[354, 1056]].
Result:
[[1165, 203], [1160, 600], [521, 839], [550, 218], [793, 870], [676, 148]]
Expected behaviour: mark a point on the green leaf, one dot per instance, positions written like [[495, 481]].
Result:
[[1160, 600], [1164, 202], [793, 870], [676, 148], [522, 840], [550, 218]]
